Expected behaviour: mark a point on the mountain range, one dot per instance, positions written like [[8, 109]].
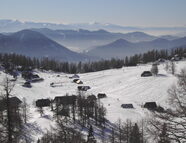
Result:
[[56, 44], [7, 25], [35, 44], [121, 47], [84, 40]]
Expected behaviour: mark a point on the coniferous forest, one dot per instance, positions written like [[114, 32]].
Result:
[[91, 66]]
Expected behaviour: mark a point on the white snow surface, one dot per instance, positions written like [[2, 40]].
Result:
[[121, 86]]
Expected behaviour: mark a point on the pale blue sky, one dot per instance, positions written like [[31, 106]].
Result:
[[121, 12]]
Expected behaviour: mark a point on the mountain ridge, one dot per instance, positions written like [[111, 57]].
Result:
[[8, 25], [121, 48], [35, 44]]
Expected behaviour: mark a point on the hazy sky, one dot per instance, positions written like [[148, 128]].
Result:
[[121, 12]]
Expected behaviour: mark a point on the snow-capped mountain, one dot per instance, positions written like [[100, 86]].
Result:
[[16, 25]]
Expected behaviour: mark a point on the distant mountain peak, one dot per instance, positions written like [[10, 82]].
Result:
[[121, 41], [138, 33], [169, 37], [101, 31], [35, 44], [27, 31], [29, 34], [119, 44], [7, 25], [160, 40]]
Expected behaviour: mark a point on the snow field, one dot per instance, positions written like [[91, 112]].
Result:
[[121, 86]]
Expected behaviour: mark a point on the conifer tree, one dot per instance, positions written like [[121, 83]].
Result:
[[135, 134], [90, 137]]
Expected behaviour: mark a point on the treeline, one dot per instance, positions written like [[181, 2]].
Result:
[[82, 67]]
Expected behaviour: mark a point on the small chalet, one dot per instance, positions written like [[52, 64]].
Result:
[[43, 102], [14, 102], [101, 95], [28, 75], [27, 84], [150, 105], [128, 106], [65, 100], [83, 88], [78, 81], [146, 74], [37, 80]]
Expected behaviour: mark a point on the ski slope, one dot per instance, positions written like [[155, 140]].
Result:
[[121, 86]]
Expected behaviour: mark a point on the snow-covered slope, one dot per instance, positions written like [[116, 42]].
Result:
[[121, 86]]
